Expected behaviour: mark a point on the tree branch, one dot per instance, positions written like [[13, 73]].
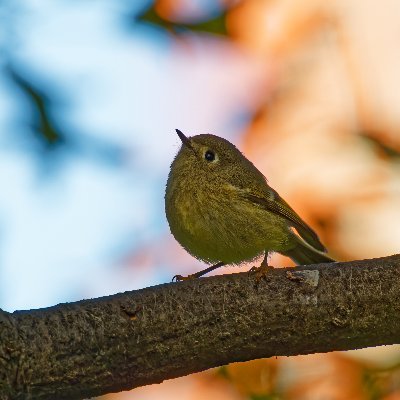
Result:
[[93, 347]]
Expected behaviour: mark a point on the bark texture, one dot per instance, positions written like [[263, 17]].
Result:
[[115, 343]]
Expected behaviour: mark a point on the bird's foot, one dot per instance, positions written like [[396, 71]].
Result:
[[260, 272], [180, 278]]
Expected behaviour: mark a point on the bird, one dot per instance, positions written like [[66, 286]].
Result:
[[222, 211]]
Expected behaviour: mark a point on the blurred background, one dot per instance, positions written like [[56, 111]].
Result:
[[90, 95]]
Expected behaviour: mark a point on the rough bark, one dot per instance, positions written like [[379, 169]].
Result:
[[93, 347]]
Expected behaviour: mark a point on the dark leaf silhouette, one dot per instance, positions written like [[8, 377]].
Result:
[[215, 25]]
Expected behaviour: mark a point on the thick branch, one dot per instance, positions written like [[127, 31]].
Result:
[[93, 347]]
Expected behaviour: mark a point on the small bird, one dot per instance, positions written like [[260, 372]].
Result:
[[221, 209]]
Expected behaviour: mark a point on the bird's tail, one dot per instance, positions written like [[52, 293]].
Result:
[[304, 254]]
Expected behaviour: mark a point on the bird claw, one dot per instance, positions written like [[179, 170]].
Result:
[[180, 278], [252, 269], [260, 272]]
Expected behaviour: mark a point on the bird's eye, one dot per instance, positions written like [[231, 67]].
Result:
[[209, 155]]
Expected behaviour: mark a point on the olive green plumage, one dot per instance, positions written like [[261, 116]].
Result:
[[220, 208]]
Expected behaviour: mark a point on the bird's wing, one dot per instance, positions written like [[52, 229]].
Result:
[[272, 202]]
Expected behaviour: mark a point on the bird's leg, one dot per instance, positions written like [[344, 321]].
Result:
[[264, 262], [262, 270], [179, 278]]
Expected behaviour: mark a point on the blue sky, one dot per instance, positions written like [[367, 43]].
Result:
[[63, 232]]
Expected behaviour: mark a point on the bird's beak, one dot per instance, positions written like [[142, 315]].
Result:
[[185, 139]]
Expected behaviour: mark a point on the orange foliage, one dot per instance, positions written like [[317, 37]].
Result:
[[320, 377], [274, 27], [254, 378], [309, 136]]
